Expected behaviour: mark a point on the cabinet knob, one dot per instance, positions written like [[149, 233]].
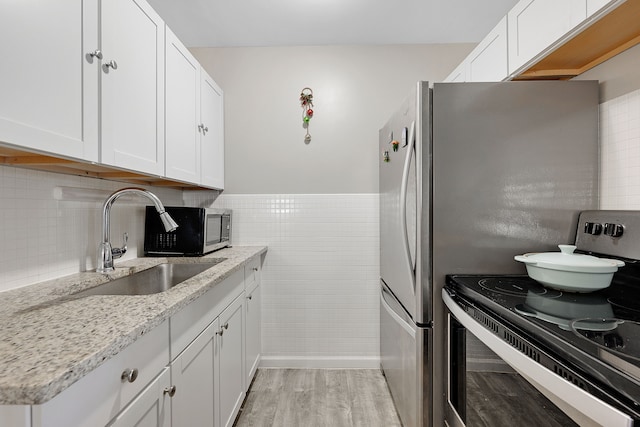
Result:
[[204, 129], [249, 297], [171, 391], [129, 375], [222, 328], [95, 54], [255, 268], [111, 64]]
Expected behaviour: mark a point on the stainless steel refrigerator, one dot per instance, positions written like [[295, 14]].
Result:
[[471, 174]]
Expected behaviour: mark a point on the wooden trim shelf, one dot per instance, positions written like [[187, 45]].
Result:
[[29, 160], [612, 34]]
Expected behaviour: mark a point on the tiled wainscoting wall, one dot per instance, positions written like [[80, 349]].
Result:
[[620, 152], [320, 278], [43, 237]]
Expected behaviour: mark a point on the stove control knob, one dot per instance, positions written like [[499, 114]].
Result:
[[592, 228], [613, 230]]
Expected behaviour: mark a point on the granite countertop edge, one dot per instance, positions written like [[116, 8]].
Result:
[[42, 323]]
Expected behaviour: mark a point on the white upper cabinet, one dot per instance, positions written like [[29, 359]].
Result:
[[212, 131], [535, 25], [595, 5], [459, 74], [132, 86], [194, 117], [488, 61], [182, 111], [48, 83]]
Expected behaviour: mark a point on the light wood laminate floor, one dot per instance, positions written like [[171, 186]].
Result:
[[318, 398]]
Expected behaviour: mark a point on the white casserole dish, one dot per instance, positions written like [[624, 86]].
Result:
[[566, 271]]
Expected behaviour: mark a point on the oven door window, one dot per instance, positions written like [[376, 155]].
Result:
[[214, 229], [485, 391]]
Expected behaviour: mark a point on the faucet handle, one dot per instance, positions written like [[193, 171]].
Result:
[[118, 252]]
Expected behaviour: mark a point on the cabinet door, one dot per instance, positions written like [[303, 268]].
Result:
[[459, 74], [212, 141], [48, 84], [253, 335], [152, 407], [231, 362], [103, 392], [534, 25], [182, 101], [132, 86], [192, 374], [488, 61]]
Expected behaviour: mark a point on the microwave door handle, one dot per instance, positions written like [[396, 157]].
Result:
[[403, 202]]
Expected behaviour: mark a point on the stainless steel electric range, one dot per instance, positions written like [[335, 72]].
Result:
[[520, 353]]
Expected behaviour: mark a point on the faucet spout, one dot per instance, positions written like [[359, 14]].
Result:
[[105, 252]]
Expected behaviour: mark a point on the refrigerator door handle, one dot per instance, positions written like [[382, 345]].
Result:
[[403, 200]]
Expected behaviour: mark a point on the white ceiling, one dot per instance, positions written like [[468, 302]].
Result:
[[226, 23]]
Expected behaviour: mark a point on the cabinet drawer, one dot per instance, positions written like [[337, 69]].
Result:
[[252, 270], [103, 392], [194, 318]]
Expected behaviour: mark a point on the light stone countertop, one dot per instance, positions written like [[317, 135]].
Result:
[[49, 339]]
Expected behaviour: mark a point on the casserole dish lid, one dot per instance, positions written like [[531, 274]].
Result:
[[566, 260]]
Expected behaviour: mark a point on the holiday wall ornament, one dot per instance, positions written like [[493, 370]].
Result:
[[306, 102]]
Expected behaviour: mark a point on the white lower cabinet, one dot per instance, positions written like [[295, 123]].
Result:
[[207, 350], [192, 374], [231, 362], [98, 397], [253, 322], [152, 407], [188, 371], [253, 334]]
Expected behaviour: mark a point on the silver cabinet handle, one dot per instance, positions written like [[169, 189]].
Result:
[[95, 54], [202, 128], [255, 268], [111, 64], [129, 375], [222, 328], [171, 391]]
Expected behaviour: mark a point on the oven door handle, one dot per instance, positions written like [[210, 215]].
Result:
[[581, 406]]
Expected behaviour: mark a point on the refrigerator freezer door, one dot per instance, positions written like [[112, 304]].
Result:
[[398, 358], [398, 195]]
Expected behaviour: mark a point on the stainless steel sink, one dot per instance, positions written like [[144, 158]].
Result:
[[151, 281]]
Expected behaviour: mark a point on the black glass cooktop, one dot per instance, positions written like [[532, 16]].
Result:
[[598, 333]]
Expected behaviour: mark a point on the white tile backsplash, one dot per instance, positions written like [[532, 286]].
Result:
[[321, 274], [620, 152], [42, 238]]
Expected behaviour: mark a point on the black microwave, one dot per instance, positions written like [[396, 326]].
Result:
[[200, 231]]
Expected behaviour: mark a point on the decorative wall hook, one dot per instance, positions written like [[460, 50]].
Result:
[[306, 102]]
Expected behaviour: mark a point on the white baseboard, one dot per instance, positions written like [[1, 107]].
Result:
[[319, 362]]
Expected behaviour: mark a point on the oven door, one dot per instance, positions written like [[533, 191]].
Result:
[[491, 382]]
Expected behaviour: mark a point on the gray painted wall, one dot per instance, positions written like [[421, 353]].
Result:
[[355, 89]]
